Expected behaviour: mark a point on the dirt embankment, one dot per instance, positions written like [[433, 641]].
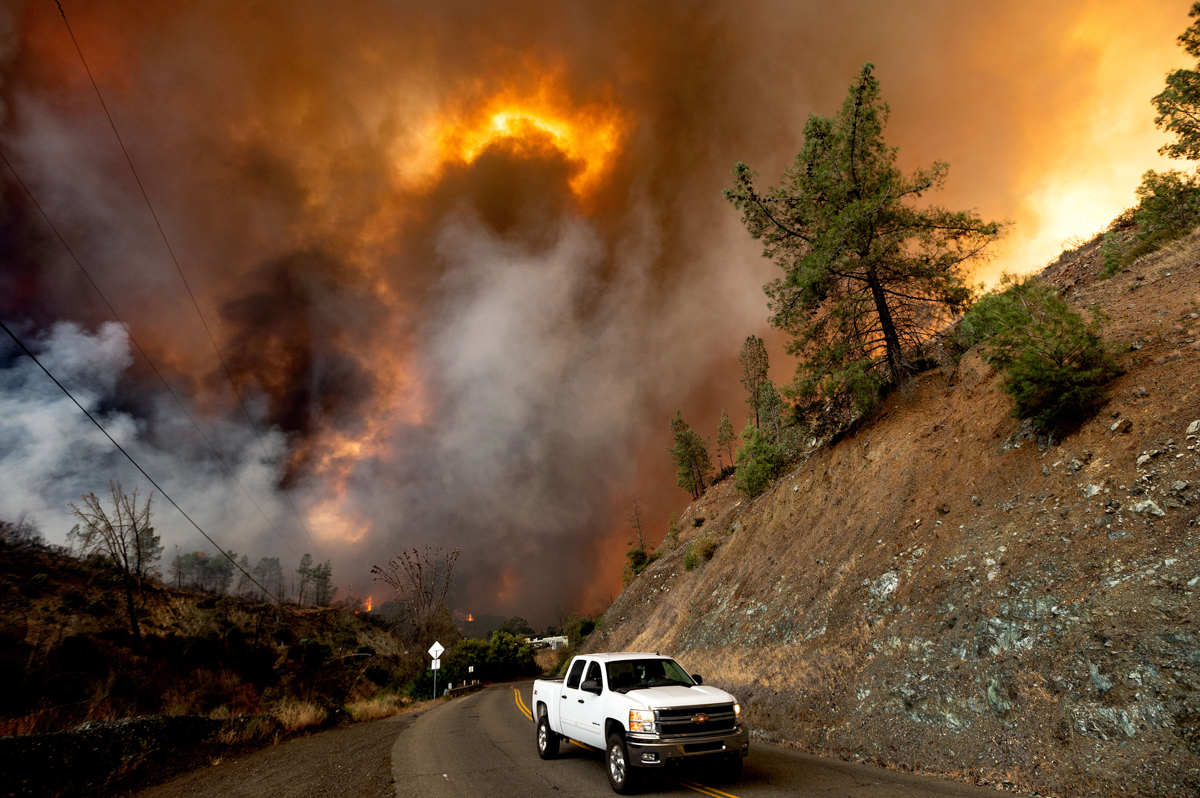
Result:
[[942, 591]]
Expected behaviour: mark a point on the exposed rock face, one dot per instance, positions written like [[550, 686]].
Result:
[[944, 591]]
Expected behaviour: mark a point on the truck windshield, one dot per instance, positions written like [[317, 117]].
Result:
[[638, 674]]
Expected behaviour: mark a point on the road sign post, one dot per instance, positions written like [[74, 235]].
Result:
[[435, 651]]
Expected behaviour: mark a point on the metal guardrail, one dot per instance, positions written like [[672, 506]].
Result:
[[466, 688]]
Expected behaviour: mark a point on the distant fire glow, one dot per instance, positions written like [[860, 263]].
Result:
[[470, 617], [367, 606]]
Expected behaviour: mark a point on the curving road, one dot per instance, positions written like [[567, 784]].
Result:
[[483, 745]]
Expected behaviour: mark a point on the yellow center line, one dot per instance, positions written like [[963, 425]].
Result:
[[700, 788], [521, 704], [704, 788]]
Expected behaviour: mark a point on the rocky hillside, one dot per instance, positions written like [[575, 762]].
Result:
[[943, 591]]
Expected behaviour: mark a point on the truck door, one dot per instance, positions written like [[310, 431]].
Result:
[[583, 711], [566, 702]]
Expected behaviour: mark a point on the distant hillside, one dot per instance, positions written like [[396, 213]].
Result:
[[942, 590]]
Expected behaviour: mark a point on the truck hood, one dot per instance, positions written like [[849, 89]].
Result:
[[675, 696]]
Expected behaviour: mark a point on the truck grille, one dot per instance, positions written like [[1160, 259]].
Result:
[[696, 721]]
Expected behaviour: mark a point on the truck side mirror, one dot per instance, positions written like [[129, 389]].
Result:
[[590, 686], [697, 678]]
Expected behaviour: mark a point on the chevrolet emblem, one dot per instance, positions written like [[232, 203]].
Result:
[[699, 718]]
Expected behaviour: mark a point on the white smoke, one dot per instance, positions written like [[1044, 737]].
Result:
[[51, 453]]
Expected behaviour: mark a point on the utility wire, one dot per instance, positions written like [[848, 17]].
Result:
[[128, 456], [186, 285], [134, 340]]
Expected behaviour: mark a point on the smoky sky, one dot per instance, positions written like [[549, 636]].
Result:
[[476, 343]]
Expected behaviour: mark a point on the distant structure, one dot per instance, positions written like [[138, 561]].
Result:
[[552, 643]]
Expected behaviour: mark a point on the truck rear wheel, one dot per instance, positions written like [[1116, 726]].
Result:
[[547, 740], [622, 776]]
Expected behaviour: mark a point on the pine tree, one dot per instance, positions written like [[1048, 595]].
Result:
[[690, 456], [758, 461], [754, 371], [868, 274], [726, 437], [1178, 105]]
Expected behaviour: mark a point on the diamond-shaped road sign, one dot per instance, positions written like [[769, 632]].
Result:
[[436, 650]]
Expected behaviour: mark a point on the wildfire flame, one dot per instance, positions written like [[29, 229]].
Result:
[[470, 617], [367, 605], [589, 136]]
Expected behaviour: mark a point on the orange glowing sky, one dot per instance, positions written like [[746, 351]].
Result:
[[322, 175]]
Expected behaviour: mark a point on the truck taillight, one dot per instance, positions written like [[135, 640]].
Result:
[[642, 721]]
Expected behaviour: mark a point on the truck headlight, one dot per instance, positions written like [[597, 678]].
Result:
[[737, 712], [642, 721]]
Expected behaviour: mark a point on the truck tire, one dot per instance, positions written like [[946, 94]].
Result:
[[622, 776], [547, 740]]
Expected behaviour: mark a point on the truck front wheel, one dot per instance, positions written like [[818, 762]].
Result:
[[547, 740], [622, 777]]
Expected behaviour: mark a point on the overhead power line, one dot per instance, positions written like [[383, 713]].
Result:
[[179, 269], [129, 457], [142, 351]]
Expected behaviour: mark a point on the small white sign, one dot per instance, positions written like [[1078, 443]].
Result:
[[437, 665], [470, 669], [436, 650]]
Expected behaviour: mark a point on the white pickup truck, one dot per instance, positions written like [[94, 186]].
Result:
[[642, 710]]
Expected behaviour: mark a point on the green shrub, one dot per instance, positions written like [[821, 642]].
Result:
[[698, 551], [378, 674], [1056, 364], [672, 529], [757, 461], [1114, 249], [1168, 208], [639, 559]]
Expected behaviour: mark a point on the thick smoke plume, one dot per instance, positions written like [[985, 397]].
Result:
[[464, 260]]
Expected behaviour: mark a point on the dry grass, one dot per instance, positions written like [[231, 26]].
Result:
[[295, 714], [248, 730], [546, 659], [383, 705]]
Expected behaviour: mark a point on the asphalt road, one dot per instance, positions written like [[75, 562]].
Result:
[[483, 745], [349, 762]]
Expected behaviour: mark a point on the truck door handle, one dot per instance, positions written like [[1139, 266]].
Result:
[[581, 700], [564, 696]]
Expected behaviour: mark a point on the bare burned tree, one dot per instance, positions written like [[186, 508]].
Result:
[[634, 519], [419, 582], [124, 537]]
